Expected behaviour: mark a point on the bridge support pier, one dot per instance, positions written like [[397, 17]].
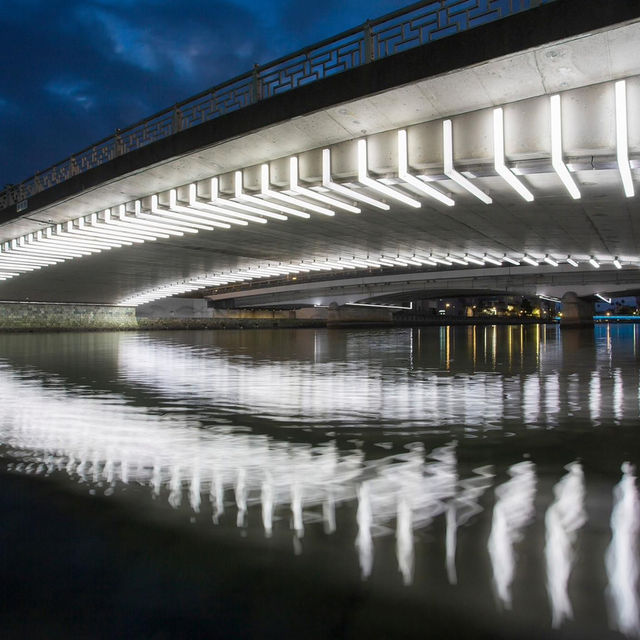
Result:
[[576, 312]]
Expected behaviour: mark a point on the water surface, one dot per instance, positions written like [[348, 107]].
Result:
[[482, 479]]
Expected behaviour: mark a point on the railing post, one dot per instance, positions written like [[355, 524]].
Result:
[[176, 124], [256, 85], [118, 147], [367, 35]]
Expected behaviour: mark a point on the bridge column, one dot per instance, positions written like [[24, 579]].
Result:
[[576, 312]]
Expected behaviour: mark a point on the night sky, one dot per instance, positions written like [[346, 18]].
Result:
[[72, 71]]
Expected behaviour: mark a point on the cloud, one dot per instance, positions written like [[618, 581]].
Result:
[[72, 71]]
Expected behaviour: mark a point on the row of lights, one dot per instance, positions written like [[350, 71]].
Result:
[[280, 270], [130, 224]]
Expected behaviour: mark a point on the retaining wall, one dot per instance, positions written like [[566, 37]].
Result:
[[38, 316]]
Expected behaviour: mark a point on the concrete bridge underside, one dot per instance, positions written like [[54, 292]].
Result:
[[568, 49]]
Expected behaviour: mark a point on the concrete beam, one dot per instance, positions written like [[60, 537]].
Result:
[[553, 22]]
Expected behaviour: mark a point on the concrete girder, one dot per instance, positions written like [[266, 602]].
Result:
[[527, 281]]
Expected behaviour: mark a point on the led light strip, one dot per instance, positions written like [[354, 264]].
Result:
[[214, 218], [305, 266], [244, 197], [328, 183], [403, 173], [242, 206], [267, 192], [367, 181], [557, 159], [294, 185], [622, 143], [162, 215], [498, 149], [165, 215], [449, 170]]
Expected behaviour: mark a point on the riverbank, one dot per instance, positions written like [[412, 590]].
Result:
[[194, 314]]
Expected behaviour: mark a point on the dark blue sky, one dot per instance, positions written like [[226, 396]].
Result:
[[71, 71]]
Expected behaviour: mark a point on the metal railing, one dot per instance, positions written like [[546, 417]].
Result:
[[404, 29]]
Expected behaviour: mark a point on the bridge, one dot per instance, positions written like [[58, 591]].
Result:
[[453, 147]]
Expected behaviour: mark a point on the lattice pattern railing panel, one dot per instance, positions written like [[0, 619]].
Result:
[[411, 27]]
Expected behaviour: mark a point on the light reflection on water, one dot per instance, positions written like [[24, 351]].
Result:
[[445, 435]]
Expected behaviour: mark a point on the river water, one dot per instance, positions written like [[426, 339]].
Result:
[[433, 482]]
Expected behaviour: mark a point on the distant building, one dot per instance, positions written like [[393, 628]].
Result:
[[617, 305]]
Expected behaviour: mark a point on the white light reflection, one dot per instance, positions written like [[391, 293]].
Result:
[[563, 519], [461, 509], [622, 556], [194, 468], [291, 487], [364, 540], [513, 510]]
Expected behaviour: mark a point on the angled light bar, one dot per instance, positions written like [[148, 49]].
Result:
[[616, 263], [386, 262], [549, 298], [183, 219], [363, 178], [425, 261], [40, 248], [316, 266], [28, 261], [457, 260], [498, 151], [622, 142], [267, 192], [603, 298], [338, 265], [510, 260], [10, 266], [359, 263], [328, 183], [88, 227], [439, 260], [153, 222], [36, 250], [403, 172], [91, 224], [549, 260], [491, 260], [227, 213], [122, 222], [572, 262], [594, 263], [63, 237], [214, 219], [240, 206], [557, 159], [449, 170], [240, 195], [529, 260], [67, 232], [295, 186], [473, 260], [57, 239], [76, 229]]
